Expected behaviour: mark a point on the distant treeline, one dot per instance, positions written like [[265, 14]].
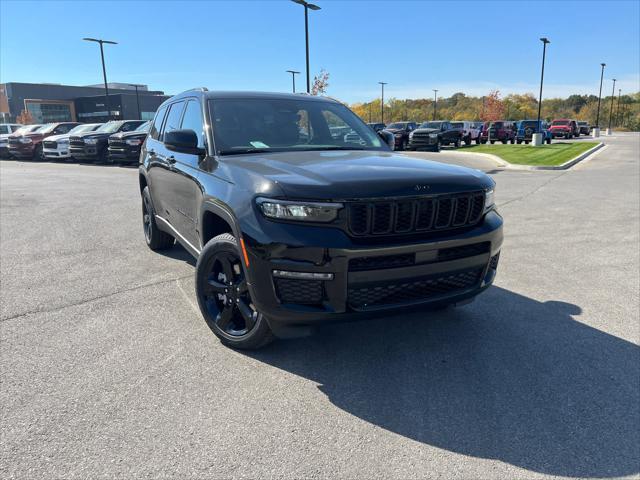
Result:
[[625, 114]]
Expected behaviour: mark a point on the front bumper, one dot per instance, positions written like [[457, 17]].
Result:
[[368, 280], [88, 152], [124, 154], [62, 151], [559, 133], [4, 150], [23, 150], [423, 142]]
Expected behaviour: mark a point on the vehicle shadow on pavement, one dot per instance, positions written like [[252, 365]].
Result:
[[506, 378]]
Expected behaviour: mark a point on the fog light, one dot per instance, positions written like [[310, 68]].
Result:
[[303, 275]]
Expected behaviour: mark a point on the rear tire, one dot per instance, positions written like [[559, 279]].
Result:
[[156, 239], [548, 141], [457, 143], [467, 140], [224, 298], [38, 154]]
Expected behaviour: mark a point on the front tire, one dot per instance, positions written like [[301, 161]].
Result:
[[457, 143], [38, 154], [224, 298], [156, 239]]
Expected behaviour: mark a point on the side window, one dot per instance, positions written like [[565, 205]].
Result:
[[154, 132], [62, 129], [4, 129], [192, 120], [129, 126], [173, 118]]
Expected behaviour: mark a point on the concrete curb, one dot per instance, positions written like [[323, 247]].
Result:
[[511, 166]]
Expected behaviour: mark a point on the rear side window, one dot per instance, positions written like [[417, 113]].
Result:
[[192, 120], [173, 118], [157, 124]]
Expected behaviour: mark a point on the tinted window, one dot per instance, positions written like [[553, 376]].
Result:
[[130, 126], [157, 123], [4, 129], [173, 118], [63, 129], [192, 120]]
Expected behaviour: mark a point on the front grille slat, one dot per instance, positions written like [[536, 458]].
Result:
[[402, 216]]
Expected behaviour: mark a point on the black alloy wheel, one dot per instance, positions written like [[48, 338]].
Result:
[[224, 297]]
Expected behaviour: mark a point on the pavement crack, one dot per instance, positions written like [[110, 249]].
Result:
[[93, 299], [534, 191]]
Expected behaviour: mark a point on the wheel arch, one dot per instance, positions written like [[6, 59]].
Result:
[[215, 220]]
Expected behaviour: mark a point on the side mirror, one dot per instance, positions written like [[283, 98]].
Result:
[[183, 141], [388, 138]]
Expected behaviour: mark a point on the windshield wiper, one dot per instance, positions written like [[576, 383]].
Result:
[[241, 151]]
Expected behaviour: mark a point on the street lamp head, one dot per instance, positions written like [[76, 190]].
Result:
[[603, 65], [293, 72], [306, 4], [545, 40], [615, 80], [97, 40]]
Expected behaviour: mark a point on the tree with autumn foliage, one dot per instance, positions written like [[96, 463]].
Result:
[[320, 83], [25, 118], [493, 108]]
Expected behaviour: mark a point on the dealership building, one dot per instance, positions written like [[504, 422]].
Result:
[[68, 103]]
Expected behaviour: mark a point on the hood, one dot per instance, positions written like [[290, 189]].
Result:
[[133, 134], [427, 130], [344, 175], [394, 130], [93, 135], [55, 138]]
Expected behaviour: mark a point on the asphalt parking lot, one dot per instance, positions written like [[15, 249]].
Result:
[[109, 371]]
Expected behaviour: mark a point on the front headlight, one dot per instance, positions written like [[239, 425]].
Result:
[[433, 135], [299, 211], [90, 141], [489, 201], [133, 142], [411, 134], [25, 140]]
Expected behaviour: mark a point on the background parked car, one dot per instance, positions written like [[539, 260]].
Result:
[[499, 131], [401, 131], [564, 127], [432, 135], [7, 129], [585, 128], [526, 129], [29, 145], [57, 146], [93, 146], [470, 131], [125, 147], [377, 126]]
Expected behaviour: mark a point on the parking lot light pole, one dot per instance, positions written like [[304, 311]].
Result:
[[618, 109], [135, 85], [435, 102], [382, 84], [596, 130], [104, 70], [613, 96], [536, 139], [293, 78], [307, 6]]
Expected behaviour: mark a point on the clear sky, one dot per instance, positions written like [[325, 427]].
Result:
[[247, 45]]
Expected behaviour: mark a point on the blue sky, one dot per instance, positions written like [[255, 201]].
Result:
[[247, 45]]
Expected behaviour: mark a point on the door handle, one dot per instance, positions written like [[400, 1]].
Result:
[[152, 152], [171, 159]]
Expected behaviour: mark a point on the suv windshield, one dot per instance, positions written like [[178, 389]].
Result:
[[144, 127], [81, 129], [528, 124], [251, 125], [27, 129], [435, 125], [457, 124], [560, 122], [398, 126], [109, 127]]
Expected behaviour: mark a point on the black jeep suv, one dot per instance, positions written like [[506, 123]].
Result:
[[93, 146], [292, 226], [125, 147], [432, 135]]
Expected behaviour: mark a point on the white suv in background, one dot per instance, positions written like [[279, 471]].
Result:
[[57, 146], [470, 131]]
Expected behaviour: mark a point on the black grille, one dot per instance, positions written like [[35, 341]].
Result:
[[417, 215], [376, 263], [454, 253], [117, 143], [412, 291], [308, 292], [14, 140], [50, 144], [76, 142]]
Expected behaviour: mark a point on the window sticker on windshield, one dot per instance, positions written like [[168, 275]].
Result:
[[257, 144]]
